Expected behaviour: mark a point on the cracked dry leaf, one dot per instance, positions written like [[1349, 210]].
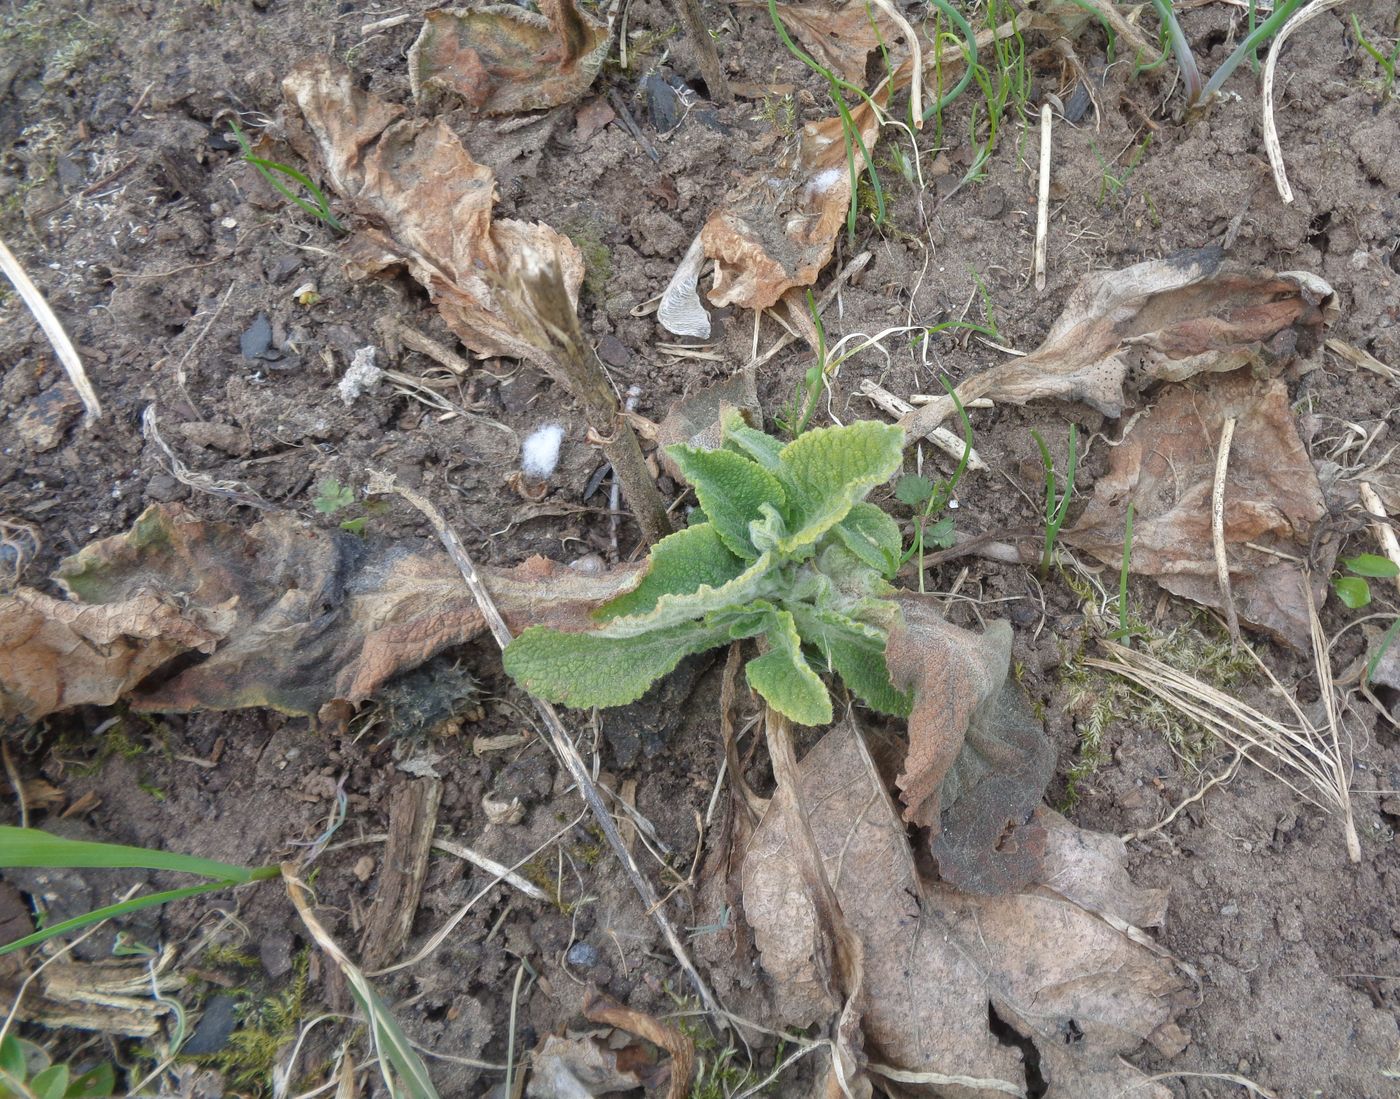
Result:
[[428, 204], [1166, 468], [1084, 988], [295, 617], [978, 761], [777, 232], [840, 36], [502, 59], [55, 655], [1163, 320]]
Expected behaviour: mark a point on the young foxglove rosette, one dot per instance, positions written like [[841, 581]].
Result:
[[784, 548]]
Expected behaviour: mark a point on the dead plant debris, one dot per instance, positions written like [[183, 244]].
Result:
[[502, 59], [1165, 469], [287, 616]]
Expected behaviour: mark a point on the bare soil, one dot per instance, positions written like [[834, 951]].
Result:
[[158, 249]]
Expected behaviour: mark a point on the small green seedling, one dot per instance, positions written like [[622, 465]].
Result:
[[1353, 590], [1056, 497], [320, 208], [927, 499], [785, 549], [27, 1070], [1125, 631], [331, 497], [795, 418], [1387, 62], [1110, 184]]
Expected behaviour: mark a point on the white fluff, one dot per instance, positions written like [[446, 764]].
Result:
[[539, 453]]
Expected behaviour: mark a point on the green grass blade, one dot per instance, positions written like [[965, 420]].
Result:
[[121, 908], [34, 847], [1185, 59], [1386, 642], [1261, 34]]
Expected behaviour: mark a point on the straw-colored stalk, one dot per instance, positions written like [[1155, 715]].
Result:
[[1311, 759]]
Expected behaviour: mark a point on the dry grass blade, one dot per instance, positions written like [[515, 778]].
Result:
[[1307, 757], [1271, 142], [58, 338], [397, 1058]]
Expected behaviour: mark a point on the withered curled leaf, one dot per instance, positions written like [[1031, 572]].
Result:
[[428, 204], [778, 230], [1059, 958], [1162, 320], [502, 59], [292, 617], [1166, 469], [978, 761]]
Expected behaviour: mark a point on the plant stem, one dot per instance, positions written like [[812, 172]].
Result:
[[706, 56], [538, 302]]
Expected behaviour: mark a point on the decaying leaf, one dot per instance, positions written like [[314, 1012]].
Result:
[[937, 961], [1163, 320], [841, 36], [1166, 469], [778, 230], [978, 761], [427, 201], [294, 617], [503, 59], [579, 1068], [695, 420], [55, 655]]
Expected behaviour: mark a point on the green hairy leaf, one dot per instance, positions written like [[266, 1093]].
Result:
[[731, 490], [1371, 564], [789, 551], [784, 679]]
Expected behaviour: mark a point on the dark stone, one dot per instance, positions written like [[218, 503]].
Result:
[[275, 953], [613, 351], [164, 489], [582, 955], [282, 268], [256, 341], [215, 1027]]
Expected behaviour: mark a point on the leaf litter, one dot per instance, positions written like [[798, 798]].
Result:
[[1165, 469], [1060, 962], [1164, 320], [285, 616], [503, 59], [427, 206], [776, 231]]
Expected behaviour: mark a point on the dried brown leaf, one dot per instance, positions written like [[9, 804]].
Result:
[[936, 960], [428, 204], [1166, 469], [778, 230], [55, 655], [294, 617], [978, 761], [840, 36], [1163, 320], [503, 59], [695, 420], [565, 1068]]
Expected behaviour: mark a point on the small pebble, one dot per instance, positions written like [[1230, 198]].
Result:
[[582, 955]]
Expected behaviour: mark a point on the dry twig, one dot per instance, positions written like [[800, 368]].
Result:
[[1042, 211], [1217, 527], [58, 338]]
